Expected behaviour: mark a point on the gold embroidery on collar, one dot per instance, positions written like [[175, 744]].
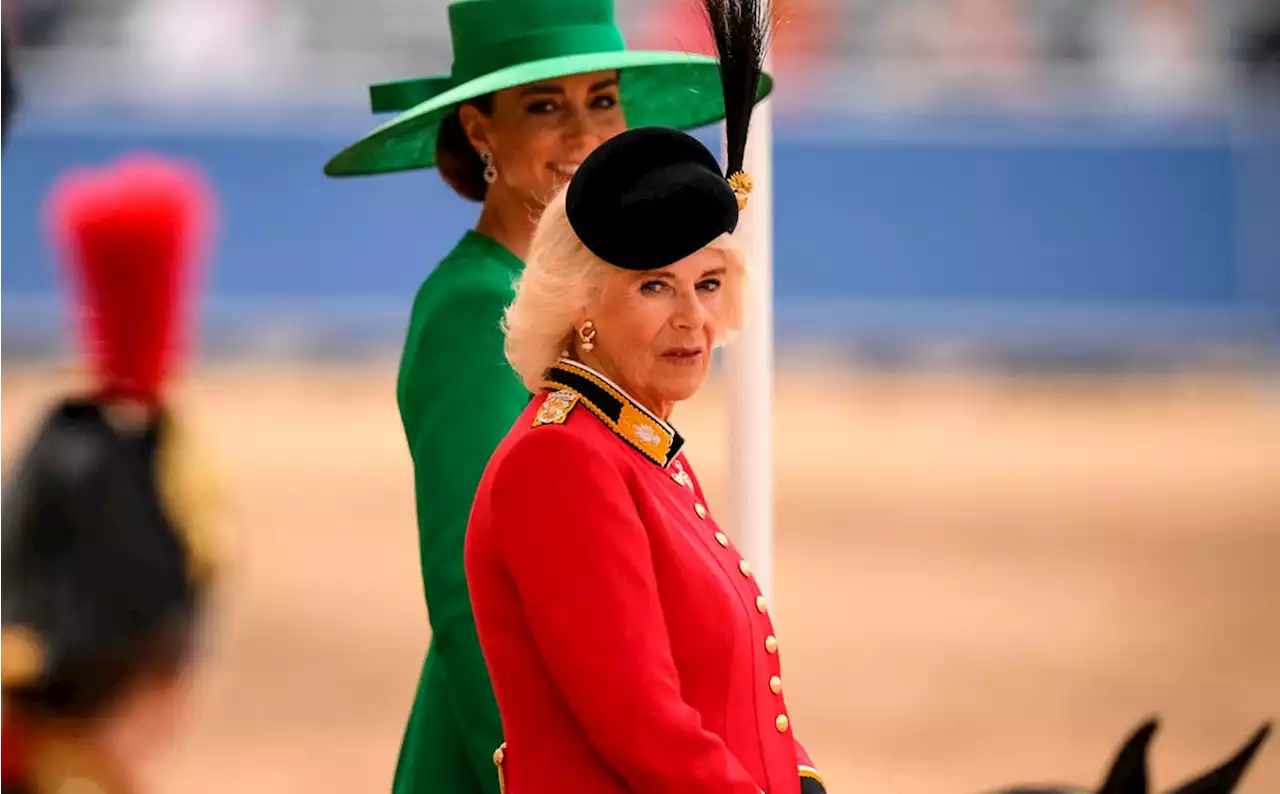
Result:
[[634, 425], [642, 431]]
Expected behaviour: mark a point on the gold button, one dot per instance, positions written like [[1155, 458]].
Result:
[[702, 511], [782, 722], [745, 567], [500, 754], [775, 685], [771, 644], [722, 539], [761, 605]]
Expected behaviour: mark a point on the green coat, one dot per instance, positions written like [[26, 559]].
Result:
[[458, 397]]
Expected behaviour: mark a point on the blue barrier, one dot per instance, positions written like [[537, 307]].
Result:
[[1081, 234]]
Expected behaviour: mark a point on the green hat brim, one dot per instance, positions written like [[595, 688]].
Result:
[[666, 89]]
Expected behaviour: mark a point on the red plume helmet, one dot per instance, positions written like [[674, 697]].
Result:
[[133, 236]]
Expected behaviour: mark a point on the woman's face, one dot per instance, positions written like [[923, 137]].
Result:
[[655, 329], [539, 133]]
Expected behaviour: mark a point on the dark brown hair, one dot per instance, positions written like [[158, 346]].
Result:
[[459, 164]]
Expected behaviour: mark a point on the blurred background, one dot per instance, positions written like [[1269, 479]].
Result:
[[1027, 420]]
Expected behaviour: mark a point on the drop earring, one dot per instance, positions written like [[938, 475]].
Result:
[[587, 335], [490, 171]]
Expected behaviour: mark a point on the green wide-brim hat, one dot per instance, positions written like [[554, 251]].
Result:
[[501, 44]]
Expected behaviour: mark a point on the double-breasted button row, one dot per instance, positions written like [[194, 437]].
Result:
[[762, 606], [782, 722], [775, 682]]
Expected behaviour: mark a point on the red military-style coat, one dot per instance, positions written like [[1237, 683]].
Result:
[[629, 647]]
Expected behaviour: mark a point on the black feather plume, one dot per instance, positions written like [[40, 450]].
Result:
[[743, 31], [8, 92]]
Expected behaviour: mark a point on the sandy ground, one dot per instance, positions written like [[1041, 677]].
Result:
[[978, 581]]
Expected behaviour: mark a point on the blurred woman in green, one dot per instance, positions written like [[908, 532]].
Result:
[[536, 85]]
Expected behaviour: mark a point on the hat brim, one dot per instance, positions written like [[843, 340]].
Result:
[[665, 89]]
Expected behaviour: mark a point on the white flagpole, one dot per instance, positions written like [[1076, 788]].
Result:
[[749, 363]]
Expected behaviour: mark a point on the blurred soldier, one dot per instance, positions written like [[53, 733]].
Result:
[[105, 571]]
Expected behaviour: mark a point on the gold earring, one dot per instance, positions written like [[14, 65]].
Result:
[[587, 335], [490, 170]]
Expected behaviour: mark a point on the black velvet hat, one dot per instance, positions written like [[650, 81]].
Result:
[[651, 196]]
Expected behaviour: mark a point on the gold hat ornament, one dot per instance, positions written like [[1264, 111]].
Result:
[[742, 184]]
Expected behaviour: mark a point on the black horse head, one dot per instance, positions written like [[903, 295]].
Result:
[[1128, 773]]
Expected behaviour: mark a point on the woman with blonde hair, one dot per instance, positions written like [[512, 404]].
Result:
[[629, 646], [536, 86]]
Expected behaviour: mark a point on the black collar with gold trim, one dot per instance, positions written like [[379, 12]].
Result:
[[631, 421]]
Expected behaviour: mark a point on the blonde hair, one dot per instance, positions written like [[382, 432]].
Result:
[[560, 281]]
